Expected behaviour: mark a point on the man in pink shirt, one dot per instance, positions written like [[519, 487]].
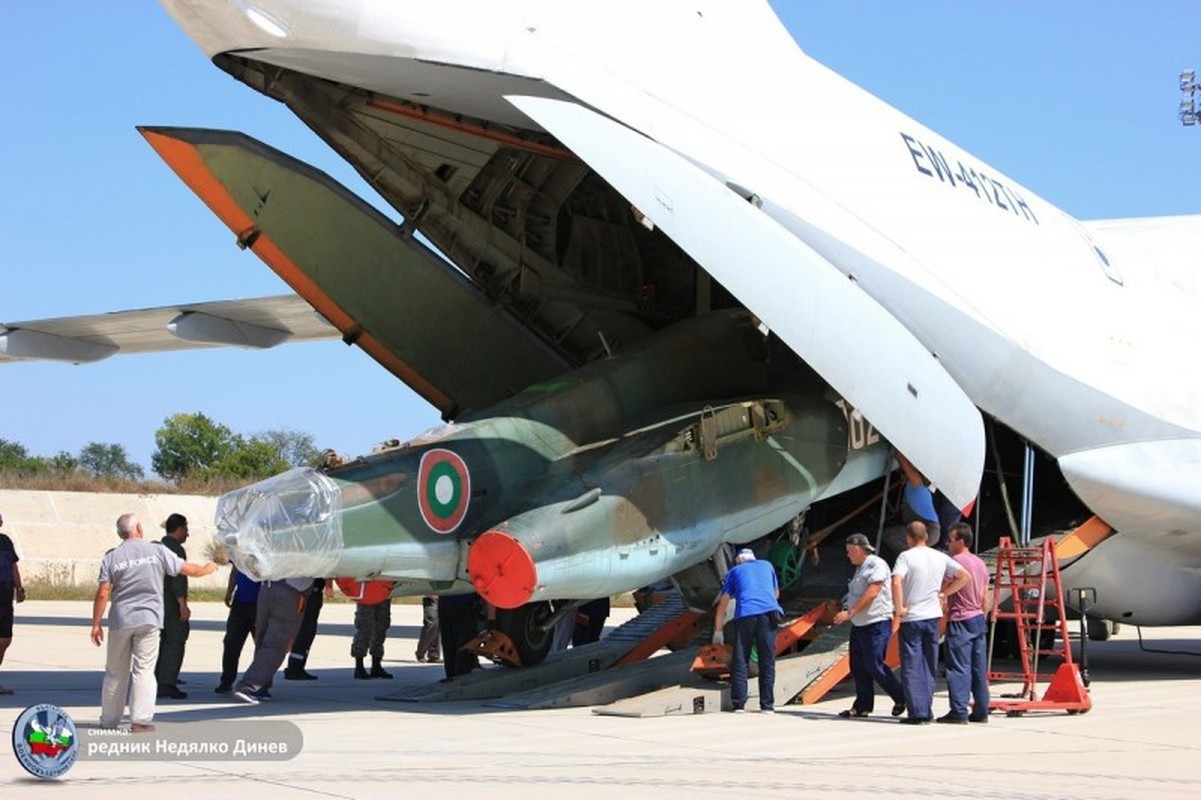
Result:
[[967, 633]]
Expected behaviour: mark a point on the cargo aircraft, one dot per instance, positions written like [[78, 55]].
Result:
[[669, 282]]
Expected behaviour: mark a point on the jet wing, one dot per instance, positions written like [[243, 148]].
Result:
[[380, 288], [855, 344], [257, 322]]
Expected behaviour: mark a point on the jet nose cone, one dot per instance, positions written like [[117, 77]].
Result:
[[284, 527]]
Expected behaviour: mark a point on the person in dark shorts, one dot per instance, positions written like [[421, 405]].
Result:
[[11, 591]]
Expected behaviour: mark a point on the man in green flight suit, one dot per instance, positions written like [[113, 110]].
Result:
[[175, 614]]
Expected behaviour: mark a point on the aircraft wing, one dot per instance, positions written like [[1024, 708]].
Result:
[[253, 322], [381, 289], [854, 343]]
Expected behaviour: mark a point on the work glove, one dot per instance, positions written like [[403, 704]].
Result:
[[719, 637]]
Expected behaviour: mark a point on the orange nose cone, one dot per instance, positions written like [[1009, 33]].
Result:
[[502, 570]]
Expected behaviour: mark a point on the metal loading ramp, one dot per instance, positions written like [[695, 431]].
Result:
[[606, 686], [636, 639], [496, 681], [617, 675], [666, 686], [695, 695]]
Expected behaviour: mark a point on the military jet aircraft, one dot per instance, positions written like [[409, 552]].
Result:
[[673, 304]]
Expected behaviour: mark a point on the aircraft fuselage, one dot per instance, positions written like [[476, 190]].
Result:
[[553, 495], [1068, 333]]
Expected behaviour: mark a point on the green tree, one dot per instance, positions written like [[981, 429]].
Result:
[[15, 458], [252, 459], [191, 444], [12, 455], [294, 447], [64, 463], [35, 465], [103, 460]]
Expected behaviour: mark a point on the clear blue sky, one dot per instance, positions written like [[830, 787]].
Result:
[[1076, 100]]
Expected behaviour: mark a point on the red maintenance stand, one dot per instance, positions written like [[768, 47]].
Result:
[[1029, 576]]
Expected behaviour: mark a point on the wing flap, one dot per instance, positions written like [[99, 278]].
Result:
[[853, 342], [383, 290]]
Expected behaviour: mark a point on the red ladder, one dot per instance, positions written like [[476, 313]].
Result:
[[1030, 577]]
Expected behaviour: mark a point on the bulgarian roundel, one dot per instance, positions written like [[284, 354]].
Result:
[[443, 489]]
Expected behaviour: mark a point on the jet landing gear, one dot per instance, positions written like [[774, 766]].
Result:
[[530, 633]]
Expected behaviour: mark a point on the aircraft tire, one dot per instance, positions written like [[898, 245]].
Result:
[[523, 627], [1098, 630]]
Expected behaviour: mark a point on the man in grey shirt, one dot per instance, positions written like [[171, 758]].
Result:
[[868, 605], [131, 575]]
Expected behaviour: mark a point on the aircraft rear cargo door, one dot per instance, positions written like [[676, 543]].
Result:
[[384, 290]]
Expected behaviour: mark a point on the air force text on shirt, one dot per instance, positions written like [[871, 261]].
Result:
[[119, 566]]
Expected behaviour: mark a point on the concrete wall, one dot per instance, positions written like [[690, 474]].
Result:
[[61, 536]]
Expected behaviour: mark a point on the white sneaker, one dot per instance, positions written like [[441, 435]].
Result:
[[246, 696]]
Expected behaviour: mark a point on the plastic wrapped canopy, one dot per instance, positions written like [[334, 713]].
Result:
[[287, 526]]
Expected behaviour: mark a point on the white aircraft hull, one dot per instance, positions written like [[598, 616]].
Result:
[[924, 285]]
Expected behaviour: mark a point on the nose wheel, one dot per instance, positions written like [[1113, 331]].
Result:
[[525, 627]]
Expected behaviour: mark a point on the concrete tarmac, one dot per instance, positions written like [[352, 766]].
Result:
[[1138, 741]]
